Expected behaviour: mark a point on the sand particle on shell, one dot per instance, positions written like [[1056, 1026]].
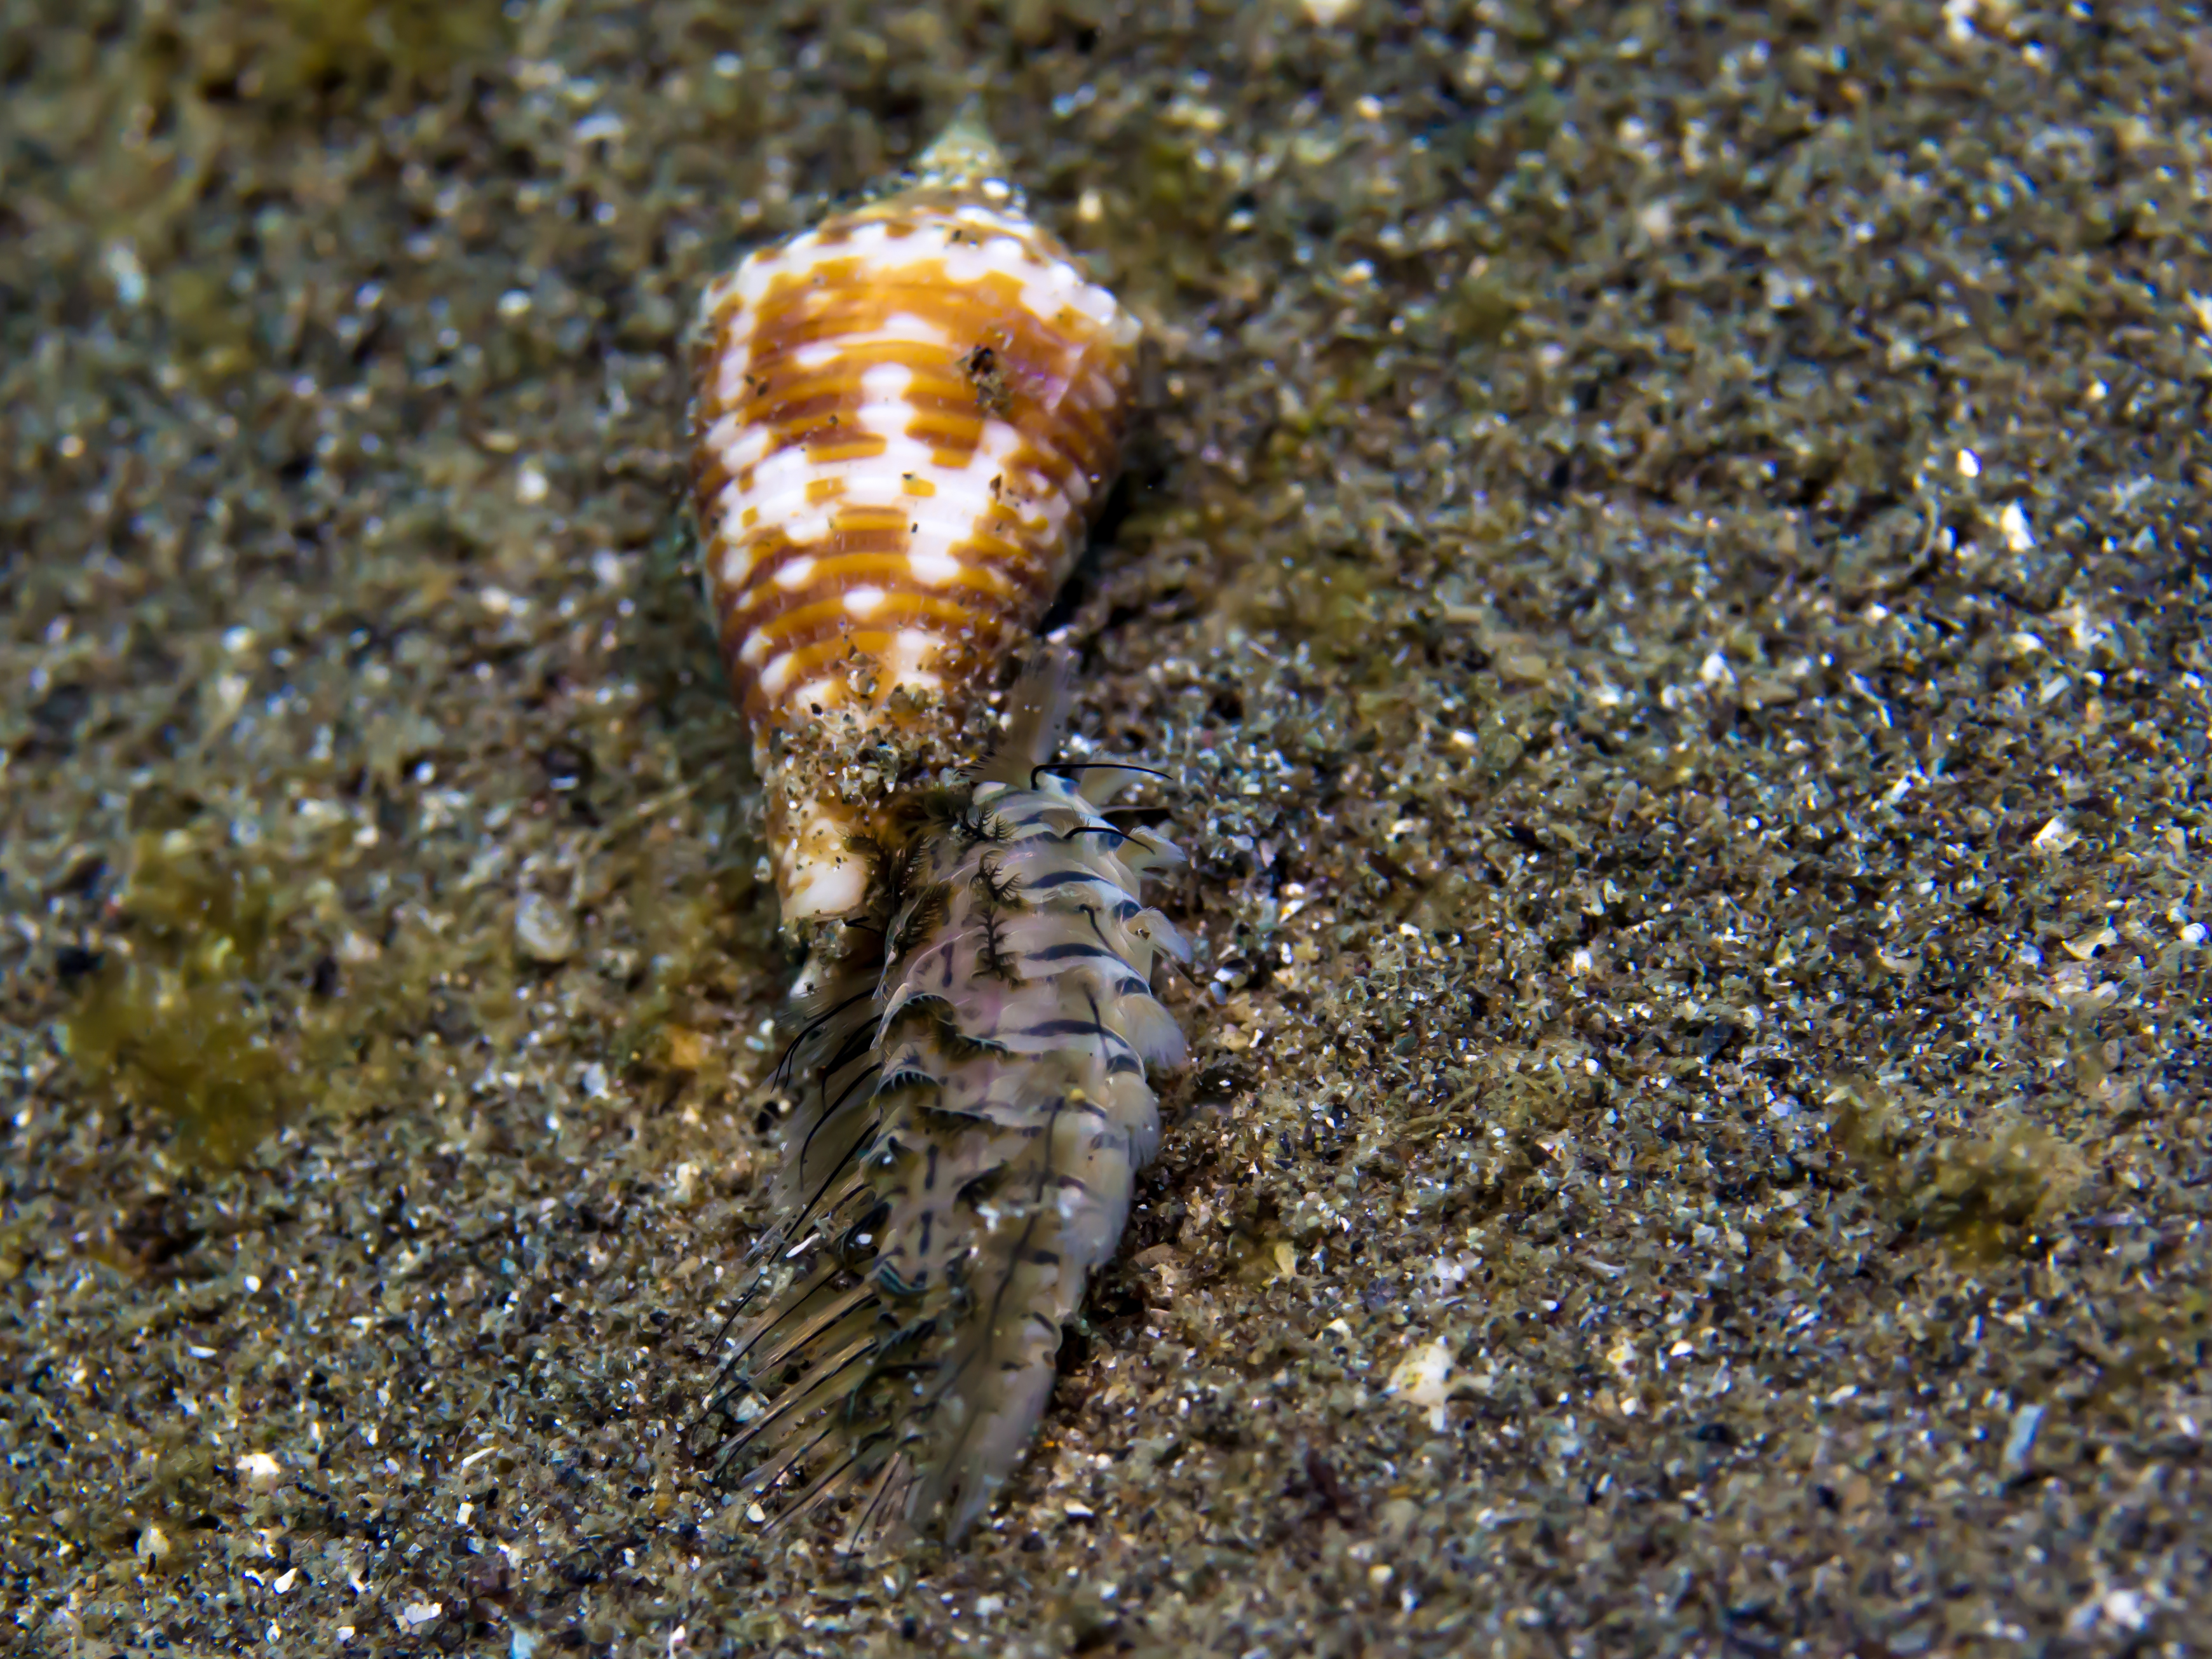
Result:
[[1701, 894]]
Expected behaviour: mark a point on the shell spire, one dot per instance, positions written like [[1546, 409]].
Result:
[[904, 420], [964, 157]]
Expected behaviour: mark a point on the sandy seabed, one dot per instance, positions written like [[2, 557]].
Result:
[[1665, 553]]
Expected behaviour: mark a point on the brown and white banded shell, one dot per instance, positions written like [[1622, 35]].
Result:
[[904, 420]]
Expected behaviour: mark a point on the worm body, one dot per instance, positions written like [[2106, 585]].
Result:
[[905, 418], [974, 1108]]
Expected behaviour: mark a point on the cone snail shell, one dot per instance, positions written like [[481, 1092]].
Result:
[[904, 420]]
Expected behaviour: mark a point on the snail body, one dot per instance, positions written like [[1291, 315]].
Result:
[[905, 419]]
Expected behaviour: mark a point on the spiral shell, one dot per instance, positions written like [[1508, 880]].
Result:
[[904, 421]]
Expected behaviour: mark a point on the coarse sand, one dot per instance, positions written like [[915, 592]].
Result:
[[1665, 555]]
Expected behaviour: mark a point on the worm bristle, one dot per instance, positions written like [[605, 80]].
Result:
[[1004, 1111]]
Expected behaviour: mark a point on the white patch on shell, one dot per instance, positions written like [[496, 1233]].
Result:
[[874, 485], [909, 649], [795, 574], [730, 372], [931, 565], [865, 602], [969, 262], [787, 472], [1052, 288], [903, 454], [884, 413], [737, 568], [778, 673], [778, 495], [736, 443], [822, 879], [884, 386], [903, 328], [758, 274], [974, 213], [818, 694], [961, 501]]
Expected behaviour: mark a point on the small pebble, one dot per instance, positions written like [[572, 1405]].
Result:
[[545, 931], [2020, 1444]]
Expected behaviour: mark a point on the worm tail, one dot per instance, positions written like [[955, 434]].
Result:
[[970, 1128]]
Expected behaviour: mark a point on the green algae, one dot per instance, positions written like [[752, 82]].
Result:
[[1484, 307], [179, 1016], [176, 114], [700, 932], [407, 45], [1980, 1193], [1329, 601]]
